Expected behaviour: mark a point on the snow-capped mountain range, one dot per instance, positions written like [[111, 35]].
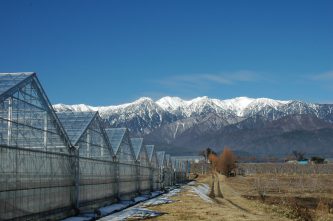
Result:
[[170, 109], [174, 121], [175, 105]]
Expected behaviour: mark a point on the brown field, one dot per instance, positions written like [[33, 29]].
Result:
[[267, 196]]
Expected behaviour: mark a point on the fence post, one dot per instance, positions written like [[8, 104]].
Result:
[[138, 174], [74, 161], [117, 179]]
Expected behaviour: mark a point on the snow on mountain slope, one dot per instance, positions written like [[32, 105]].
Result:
[[74, 107], [144, 115], [187, 108], [237, 106], [171, 103]]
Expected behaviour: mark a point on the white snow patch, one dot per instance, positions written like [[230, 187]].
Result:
[[132, 214], [157, 201], [202, 191]]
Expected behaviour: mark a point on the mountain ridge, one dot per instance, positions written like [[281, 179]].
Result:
[[174, 122]]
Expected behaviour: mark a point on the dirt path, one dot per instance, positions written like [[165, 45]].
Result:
[[189, 206]]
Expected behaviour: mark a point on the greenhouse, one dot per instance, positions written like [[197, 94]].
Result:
[[143, 170], [155, 171], [57, 164], [36, 173], [127, 176], [97, 171]]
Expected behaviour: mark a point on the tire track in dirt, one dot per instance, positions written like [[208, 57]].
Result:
[[189, 206]]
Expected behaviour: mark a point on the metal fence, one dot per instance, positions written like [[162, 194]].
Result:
[[36, 184], [284, 168], [33, 182]]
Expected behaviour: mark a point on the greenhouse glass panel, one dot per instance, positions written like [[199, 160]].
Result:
[[9, 80], [36, 174], [144, 171], [26, 117], [137, 145], [121, 144], [86, 133], [155, 170]]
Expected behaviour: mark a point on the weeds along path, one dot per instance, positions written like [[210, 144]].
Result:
[[189, 205]]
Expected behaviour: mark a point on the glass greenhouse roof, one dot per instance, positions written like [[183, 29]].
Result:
[[75, 123], [116, 136], [9, 80], [137, 145], [150, 151]]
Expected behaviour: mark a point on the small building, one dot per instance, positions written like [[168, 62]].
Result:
[[303, 162], [191, 159]]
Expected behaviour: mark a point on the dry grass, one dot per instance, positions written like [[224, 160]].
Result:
[[284, 197], [300, 196], [233, 206], [277, 184]]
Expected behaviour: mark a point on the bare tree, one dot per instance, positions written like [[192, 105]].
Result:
[[227, 162], [206, 152]]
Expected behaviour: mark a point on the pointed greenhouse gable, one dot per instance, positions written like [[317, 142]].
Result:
[[140, 151], [137, 146], [152, 155], [27, 118], [121, 144], [85, 130], [116, 136], [75, 123]]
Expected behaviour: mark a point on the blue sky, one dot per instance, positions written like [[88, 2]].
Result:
[[111, 52]]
